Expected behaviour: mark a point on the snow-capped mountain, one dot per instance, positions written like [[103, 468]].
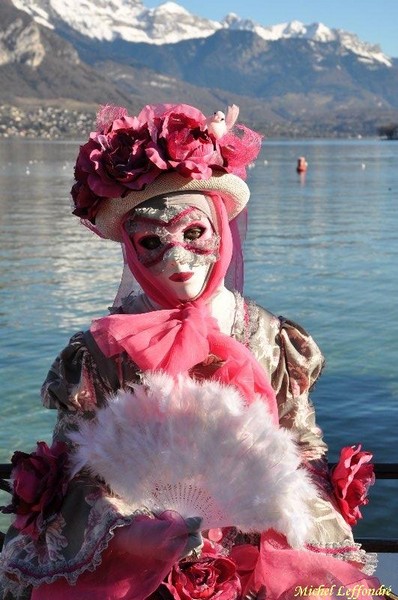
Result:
[[317, 32], [128, 20], [170, 23], [289, 77]]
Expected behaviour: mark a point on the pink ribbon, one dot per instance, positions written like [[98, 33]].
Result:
[[178, 339]]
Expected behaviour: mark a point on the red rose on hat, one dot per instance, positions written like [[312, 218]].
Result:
[[129, 157], [182, 142]]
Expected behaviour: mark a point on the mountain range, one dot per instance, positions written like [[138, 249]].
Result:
[[288, 79]]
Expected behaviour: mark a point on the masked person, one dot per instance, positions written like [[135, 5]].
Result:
[[169, 186]]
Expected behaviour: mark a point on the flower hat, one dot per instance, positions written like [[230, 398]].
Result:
[[167, 148]]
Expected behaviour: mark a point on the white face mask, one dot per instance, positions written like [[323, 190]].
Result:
[[178, 245]]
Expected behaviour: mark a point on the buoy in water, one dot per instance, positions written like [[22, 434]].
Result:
[[302, 164]]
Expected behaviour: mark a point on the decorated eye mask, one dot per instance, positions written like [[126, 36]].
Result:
[[182, 233]]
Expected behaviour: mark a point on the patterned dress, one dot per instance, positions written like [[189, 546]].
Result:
[[79, 382]]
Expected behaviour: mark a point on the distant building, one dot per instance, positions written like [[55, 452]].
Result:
[[389, 132]]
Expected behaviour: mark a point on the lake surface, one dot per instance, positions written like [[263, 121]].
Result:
[[322, 250]]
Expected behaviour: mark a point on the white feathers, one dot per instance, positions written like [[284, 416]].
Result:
[[195, 448], [232, 116]]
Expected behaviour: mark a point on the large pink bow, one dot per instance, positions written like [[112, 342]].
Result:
[[176, 340]]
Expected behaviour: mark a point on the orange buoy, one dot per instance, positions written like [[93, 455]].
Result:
[[302, 164]]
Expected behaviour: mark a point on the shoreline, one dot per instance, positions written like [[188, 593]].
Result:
[[75, 120]]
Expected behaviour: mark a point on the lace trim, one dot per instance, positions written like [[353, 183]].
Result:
[[246, 319], [169, 235], [71, 571], [262, 328], [349, 552], [238, 327], [253, 314]]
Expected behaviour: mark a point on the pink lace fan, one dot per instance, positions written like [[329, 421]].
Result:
[[195, 448]]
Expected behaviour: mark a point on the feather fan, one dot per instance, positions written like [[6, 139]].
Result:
[[194, 447]]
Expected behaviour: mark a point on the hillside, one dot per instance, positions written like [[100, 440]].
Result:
[[297, 81]]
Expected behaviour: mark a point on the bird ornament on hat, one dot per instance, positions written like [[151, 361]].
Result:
[[219, 124]]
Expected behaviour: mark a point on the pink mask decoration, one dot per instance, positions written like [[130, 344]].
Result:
[[189, 229], [219, 245], [177, 245], [184, 334]]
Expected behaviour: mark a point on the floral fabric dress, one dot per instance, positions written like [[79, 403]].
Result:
[[79, 382]]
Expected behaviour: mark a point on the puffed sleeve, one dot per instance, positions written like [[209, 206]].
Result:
[[299, 366], [293, 362], [75, 538], [80, 377]]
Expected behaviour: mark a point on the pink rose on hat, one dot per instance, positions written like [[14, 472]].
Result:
[[183, 143], [127, 154]]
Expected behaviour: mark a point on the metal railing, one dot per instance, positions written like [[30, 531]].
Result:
[[371, 544]]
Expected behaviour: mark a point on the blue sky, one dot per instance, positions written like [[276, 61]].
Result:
[[374, 21]]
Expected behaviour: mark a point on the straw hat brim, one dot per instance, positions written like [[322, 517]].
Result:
[[233, 190]]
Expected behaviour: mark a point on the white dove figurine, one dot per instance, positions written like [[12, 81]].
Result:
[[216, 124], [219, 124]]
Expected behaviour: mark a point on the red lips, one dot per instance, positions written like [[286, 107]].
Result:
[[180, 277]]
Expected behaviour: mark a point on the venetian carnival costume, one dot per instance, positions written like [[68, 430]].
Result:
[[169, 186]]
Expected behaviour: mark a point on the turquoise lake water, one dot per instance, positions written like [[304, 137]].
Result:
[[322, 250]]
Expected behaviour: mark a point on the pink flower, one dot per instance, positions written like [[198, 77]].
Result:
[[182, 143], [129, 153], [85, 201], [39, 480], [112, 163], [351, 479], [211, 576], [120, 159]]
